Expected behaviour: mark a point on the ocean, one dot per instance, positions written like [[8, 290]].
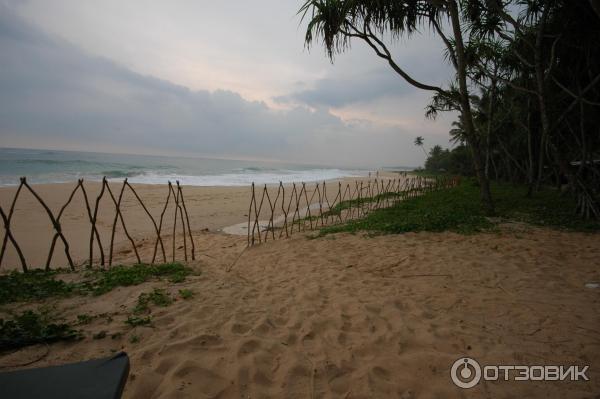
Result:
[[52, 166]]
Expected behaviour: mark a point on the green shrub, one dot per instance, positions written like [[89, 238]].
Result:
[[459, 209], [29, 328], [37, 285], [186, 294], [135, 321], [158, 297], [33, 285]]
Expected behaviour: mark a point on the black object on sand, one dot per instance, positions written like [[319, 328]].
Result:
[[92, 379]]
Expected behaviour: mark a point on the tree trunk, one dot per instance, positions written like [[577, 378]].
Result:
[[488, 138], [472, 138], [531, 163], [541, 91]]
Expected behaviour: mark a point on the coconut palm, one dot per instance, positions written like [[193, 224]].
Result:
[[419, 140], [457, 133]]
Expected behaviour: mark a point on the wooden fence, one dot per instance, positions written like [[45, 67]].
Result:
[[92, 216], [305, 209]]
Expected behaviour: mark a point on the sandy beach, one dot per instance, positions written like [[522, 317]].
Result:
[[351, 316], [348, 316]]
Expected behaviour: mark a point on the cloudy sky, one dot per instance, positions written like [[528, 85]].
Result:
[[205, 78]]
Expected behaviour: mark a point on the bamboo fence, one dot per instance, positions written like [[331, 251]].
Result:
[[305, 209], [92, 216]]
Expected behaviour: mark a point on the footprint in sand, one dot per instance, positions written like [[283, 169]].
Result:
[[248, 347], [239, 328]]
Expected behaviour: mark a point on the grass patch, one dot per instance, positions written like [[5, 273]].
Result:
[[428, 173], [459, 209], [122, 276], [546, 208], [186, 294], [135, 321], [29, 328], [84, 319], [158, 297], [33, 285], [37, 285]]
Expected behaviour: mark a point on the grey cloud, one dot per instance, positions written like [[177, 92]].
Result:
[[51, 91], [359, 88], [343, 86], [50, 88]]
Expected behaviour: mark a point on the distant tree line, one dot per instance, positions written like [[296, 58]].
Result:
[[457, 161], [526, 83]]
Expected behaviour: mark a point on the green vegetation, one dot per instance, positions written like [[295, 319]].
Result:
[[32, 286], [32, 327], [29, 328], [186, 293], [458, 209], [84, 319], [355, 203], [123, 276], [135, 321], [134, 339], [457, 161], [158, 297], [37, 285], [427, 173], [358, 202]]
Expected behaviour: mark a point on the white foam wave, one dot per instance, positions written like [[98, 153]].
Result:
[[245, 179]]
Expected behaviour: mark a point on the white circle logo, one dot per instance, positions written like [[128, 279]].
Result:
[[465, 372]]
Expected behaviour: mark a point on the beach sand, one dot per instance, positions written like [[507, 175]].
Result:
[[356, 317], [349, 316]]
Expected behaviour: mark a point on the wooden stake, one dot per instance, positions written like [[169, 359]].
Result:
[[162, 246], [7, 223], [8, 234], [160, 223], [55, 224], [118, 215], [187, 218]]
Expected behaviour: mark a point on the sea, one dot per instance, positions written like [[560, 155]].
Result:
[[53, 166]]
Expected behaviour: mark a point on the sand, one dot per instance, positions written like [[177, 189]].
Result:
[[349, 316]]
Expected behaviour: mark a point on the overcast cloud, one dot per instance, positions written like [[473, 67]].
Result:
[[206, 79]]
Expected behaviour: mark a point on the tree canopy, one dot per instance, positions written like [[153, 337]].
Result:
[[526, 83]]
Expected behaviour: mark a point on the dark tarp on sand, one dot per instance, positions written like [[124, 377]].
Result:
[[92, 379]]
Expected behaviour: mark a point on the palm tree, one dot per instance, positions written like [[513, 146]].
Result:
[[337, 22], [419, 143], [457, 133]]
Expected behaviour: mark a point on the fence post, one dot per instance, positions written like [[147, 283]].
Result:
[[8, 234], [55, 224]]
